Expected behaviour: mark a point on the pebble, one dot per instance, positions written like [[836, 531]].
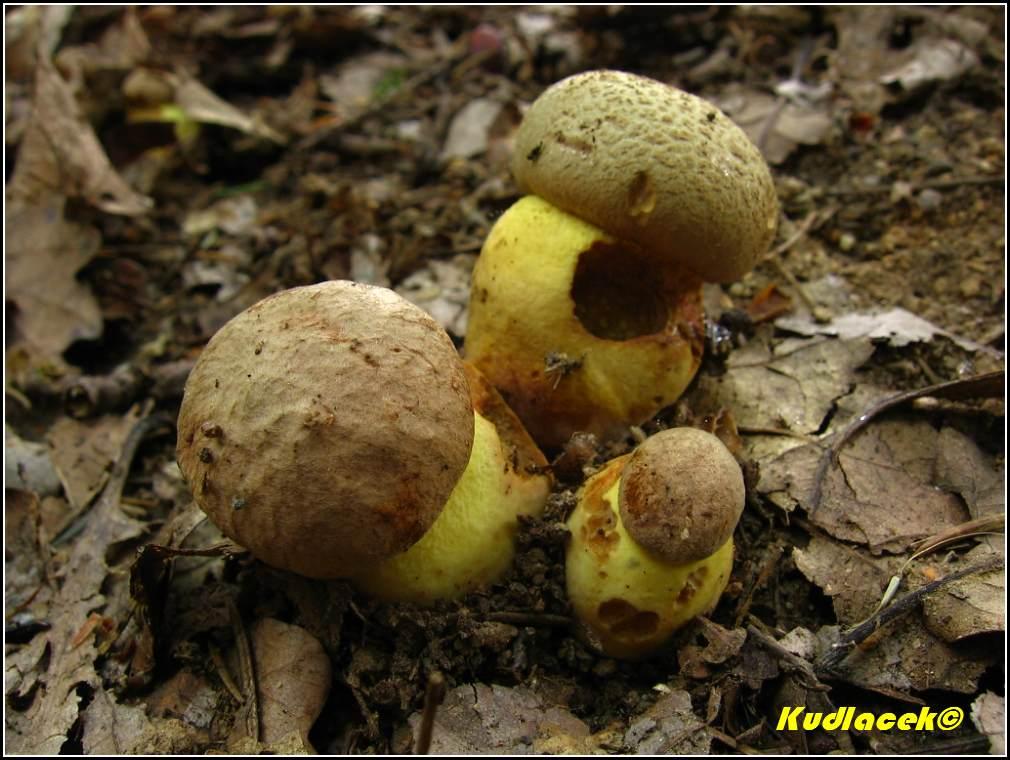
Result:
[[929, 199], [971, 286]]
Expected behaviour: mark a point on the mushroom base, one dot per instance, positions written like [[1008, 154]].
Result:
[[629, 600], [577, 330], [472, 543]]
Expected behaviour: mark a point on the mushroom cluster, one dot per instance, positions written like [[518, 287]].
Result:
[[334, 430], [328, 429], [585, 307]]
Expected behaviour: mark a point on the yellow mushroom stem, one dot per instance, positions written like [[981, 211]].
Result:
[[472, 542], [630, 600], [580, 331]]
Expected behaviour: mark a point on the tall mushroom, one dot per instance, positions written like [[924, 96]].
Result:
[[585, 307], [326, 427]]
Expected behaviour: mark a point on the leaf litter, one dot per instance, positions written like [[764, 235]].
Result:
[[373, 143]]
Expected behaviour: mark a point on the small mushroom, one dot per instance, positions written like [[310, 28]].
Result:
[[638, 193], [472, 543], [325, 427], [651, 540]]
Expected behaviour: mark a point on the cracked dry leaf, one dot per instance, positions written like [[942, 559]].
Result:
[[60, 155], [669, 727], [849, 576], [720, 645], [903, 655], [44, 254], [969, 606], [963, 468], [792, 387], [82, 453], [498, 720], [779, 125], [112, 728], [883, 493], [59, 663], [293, 680], [897, 326]]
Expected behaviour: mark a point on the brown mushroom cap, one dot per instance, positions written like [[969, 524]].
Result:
[[324, 427], [681, 495], [653, 164]]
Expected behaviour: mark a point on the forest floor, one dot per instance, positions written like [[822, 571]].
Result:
[[167, 167]]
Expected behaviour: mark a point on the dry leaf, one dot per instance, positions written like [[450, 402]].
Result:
[[69, 672], [470, 129], [442, 288], [203, 106], [969, 606], [669, 727], [907, 657], [83, 452], [44, 253], [988, 713], [778, 125], [793, 388], [882, 493], [292, 680], [896, 326], [26, 552], [497, 720], [849, 576], [27, 466], [61, 156]]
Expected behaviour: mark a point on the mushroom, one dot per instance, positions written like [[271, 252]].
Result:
[[472, 543], [651, 540], [585, 307], [325, 427], [334, 431]]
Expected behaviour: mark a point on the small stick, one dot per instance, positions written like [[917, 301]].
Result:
[[433, 696], [861, 632], [530, 618], [764, 572], [936, 184], [803, 670]]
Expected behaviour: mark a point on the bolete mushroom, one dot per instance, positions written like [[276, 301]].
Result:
[[325, 428], [334, 432], [651, 540], [585, 307]]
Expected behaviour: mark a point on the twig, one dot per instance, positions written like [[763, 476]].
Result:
[[988, 385], [935, 184], [861, 632], [773, 256], [433, 696], [764, 572], [224, 674], [248, 670], [407, 88], [789, 661], [530, 618]]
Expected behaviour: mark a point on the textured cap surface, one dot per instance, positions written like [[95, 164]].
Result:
[[653, 164], [324, 427], [681, 494]]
